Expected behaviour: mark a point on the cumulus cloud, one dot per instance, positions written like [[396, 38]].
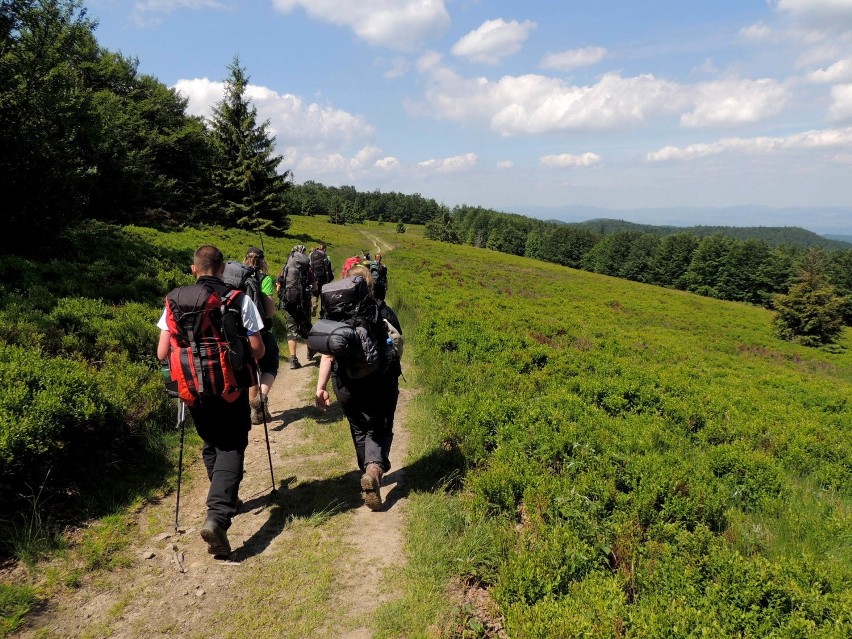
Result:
[[338, 163], [735, 102], [387, 163], [825, 15], [840, 71], [493, 40], [841, 102], [152, 11], [573, 59], [568, 161], [505, 164], [453, 164], [397, 67], [809, 140], [757, 31], [397, 24], [292, 120], [539, 104]]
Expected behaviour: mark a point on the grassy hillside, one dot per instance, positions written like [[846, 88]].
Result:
[[637, 461], [605, 458]]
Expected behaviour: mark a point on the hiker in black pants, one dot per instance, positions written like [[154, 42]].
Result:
[[222, 421], [369, 404]]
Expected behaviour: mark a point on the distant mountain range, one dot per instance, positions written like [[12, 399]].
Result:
[[772, 235], [825, 221]]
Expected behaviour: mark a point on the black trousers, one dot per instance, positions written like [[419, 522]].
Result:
[[369, 404], [224, 427]]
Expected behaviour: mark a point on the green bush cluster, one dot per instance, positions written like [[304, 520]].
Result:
[[647, 451]]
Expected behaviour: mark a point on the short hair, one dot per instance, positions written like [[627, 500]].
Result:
[[208, 259], [378, 257]]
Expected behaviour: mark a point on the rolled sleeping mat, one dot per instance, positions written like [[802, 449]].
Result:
[[332, 338]]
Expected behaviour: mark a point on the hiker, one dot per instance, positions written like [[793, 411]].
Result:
[[368, 402], [323, 273], [349, 263], [268, 364], [194, 339], [294, 292], [379, 273]]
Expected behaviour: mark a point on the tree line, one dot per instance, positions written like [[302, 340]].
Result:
[[346, 205], [85, 135], [715, 265]]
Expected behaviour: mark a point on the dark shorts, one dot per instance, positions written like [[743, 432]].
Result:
[[268, 364]]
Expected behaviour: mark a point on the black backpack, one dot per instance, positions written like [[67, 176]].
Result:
[[294, 280], [322, 267], [246, 279], [348, 301]]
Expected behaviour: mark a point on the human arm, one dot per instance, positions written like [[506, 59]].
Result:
[[256, 346], [163, 345], [323, 401]]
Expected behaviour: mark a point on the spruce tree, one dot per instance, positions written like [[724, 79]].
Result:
[[811, 313], [250, 190]]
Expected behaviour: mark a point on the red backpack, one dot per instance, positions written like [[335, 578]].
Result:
[[349, 263], [208, 356]]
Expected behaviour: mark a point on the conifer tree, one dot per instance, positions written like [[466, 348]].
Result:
[[249, 187], [811, 313]]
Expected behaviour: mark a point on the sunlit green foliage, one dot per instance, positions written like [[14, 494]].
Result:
[[646, 450]]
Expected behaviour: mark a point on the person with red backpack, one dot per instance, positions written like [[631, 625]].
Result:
[[210, 336]]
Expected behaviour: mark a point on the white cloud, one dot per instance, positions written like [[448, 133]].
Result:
[[531, 104], [809, 140], [735, 102], [397, 68], [505, 164], [451, 165], [573, 59], [338, 163], [398, 24], [757, 31], [493, 40], [841, 102], [150, 12], [315, 139], [840, 71], [825, 15], [386, 163], [568, 161]]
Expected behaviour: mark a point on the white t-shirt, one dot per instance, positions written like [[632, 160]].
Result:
[[252, 321]]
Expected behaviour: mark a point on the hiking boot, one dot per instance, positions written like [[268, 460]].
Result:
[[294, 363], [216, 538], [311, 353], [371, 480], [257, 407], [265, 401]]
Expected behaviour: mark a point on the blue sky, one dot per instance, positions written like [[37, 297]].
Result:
[[619, 104]]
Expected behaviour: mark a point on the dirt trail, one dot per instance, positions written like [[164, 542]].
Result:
[[151, 597]]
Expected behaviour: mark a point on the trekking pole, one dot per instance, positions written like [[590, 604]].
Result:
[[181, 418], [266, 432]]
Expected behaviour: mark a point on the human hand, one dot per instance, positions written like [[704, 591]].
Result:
[[323, 401]]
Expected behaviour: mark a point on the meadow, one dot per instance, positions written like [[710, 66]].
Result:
[[603, 458]]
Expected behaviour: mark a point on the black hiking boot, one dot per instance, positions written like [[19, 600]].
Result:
[[311, 353], [216, 538], [295, 363]]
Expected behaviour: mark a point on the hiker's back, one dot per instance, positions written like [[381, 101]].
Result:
[[207, 357]]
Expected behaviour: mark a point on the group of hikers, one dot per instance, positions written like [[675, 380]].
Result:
[[221, 359]]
